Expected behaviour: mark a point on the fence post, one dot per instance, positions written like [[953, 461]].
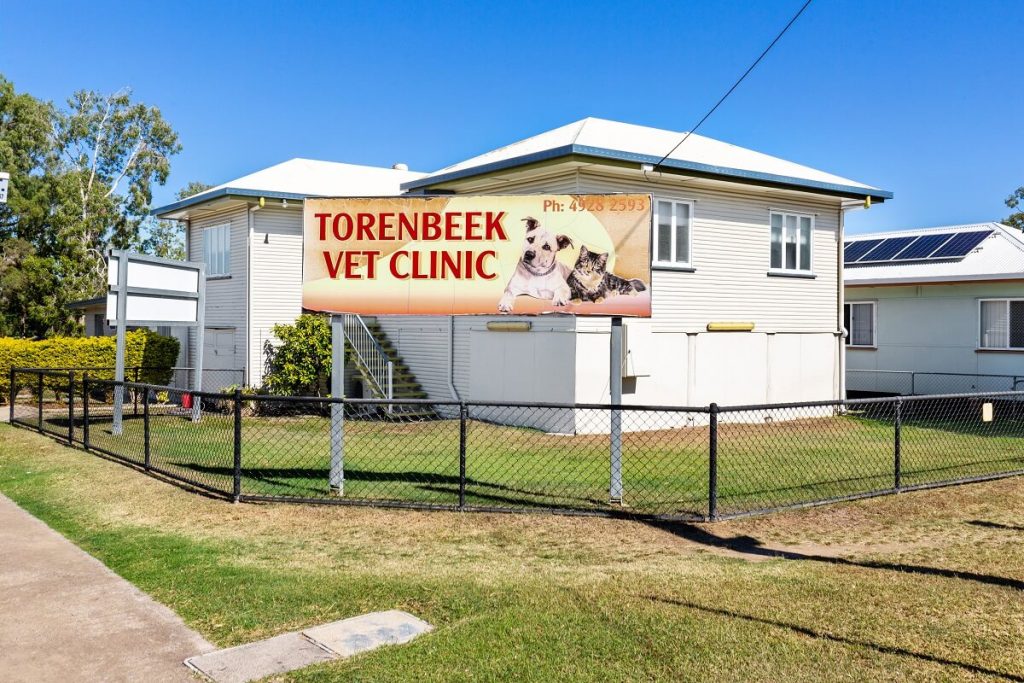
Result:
[[463, 414], [713, 462], [897, 445], [85, 411], [14, 395], [147, 449], [135, 393], [40, 416], [236, 491], [71, 408]]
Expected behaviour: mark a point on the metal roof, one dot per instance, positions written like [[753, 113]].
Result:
[[616, 141], [88, 303], [998, 257], [300, 178]]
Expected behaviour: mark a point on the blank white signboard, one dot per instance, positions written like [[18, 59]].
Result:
[[154, 308], [155, 276]]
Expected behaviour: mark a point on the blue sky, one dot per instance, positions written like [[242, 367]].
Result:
[[920, 98]]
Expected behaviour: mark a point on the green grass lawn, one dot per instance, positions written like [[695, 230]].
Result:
[[763, 465], [921, 586]]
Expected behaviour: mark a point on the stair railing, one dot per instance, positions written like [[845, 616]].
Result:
[[378, 366]]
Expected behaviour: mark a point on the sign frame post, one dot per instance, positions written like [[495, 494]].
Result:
[[122, 325]]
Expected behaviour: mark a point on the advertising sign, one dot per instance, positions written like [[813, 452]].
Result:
[[465, 255]]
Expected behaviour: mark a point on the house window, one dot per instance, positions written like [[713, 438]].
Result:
[[859, 320], [672, 234], [791, 242], [1002, 324], [217, 250]]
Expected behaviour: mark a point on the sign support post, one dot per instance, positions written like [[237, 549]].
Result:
[[197, 379], [122, 312], [615, 384], [337, 471]]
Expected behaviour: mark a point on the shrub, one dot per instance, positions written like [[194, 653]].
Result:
[[249, 407], [143, 348], [301, 364]]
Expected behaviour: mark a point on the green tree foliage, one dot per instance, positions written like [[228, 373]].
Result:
[[1016, 201], [167, 238], [28, 296], [193, 187], [25, 149], [81, 182], [301, 365], [109, 152]]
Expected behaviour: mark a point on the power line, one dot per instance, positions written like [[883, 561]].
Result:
[[734, 85]]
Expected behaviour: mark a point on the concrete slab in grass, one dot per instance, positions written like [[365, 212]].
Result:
[[253, 661], [291, 651], [368, 631]]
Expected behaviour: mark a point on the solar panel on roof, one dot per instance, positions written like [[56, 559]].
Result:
[[887, 249], [961, 244], [854, 250], [923, 246]]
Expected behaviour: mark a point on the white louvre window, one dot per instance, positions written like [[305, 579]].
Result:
[[672, 233], [859, 319], [1002, 324], [217, 250], [791, 242]]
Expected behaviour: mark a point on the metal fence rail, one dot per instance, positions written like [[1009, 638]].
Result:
[[706, 462]]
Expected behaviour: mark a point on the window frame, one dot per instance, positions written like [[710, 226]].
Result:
[[798, 272], [874, 325], [1009, 323], [211, 273], [686, 266]]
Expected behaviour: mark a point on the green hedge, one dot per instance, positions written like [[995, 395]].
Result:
[[143, 348]]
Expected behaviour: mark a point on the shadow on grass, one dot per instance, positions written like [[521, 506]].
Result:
[[748, 545], [292, 478], [995, 525], [805, 631]]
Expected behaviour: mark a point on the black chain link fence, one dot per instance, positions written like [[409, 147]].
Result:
[[687, 463]]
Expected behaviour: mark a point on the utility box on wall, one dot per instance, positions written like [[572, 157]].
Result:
[[636, 354]]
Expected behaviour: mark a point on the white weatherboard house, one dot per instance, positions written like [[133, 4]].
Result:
[[946, 304], [739, 237], [249, 233]]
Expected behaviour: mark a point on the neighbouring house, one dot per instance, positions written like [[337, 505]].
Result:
[[739, 237], [936, 310]]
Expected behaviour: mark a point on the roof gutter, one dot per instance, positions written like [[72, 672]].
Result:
[[935, 280], [223, 192], [677, 165]]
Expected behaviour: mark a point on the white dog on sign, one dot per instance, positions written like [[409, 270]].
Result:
[[538, 274]]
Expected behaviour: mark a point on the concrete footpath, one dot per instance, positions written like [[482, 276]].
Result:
[[65, 617]]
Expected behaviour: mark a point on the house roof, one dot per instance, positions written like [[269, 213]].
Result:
[[300, 178], [1000, 256], [616, 141], [88, 303]]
